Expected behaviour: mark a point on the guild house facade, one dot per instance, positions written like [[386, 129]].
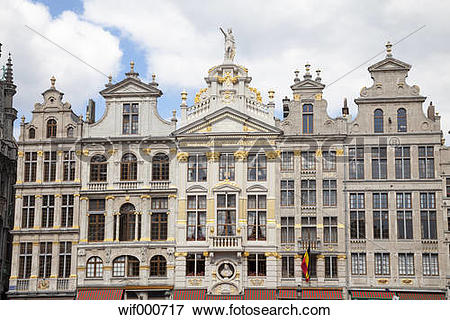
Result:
[[223, 201]]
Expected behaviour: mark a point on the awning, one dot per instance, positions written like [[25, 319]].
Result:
[[287, 294], [260, 294], [100, 294], [224, 297], [189, 294], [421, 295], [322, 294], [372, 295]]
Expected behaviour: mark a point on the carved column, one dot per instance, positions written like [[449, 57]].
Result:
[[145, 210], [57, 211], [84, 215], [171, 217], [109, 219], [37, 211], [59, 166]]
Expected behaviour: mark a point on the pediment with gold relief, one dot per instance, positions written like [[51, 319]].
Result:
[[131, 86]]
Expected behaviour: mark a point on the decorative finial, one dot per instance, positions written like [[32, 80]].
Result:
[[307, 67], [271, 94], [153, 77], [110, 79], [388, 49], [131, 66], [183, 96], [23, 119], [345, 110], [318, 78], [296, 73], [52, 81]]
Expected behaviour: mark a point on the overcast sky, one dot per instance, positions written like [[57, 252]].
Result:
[[179, 41]]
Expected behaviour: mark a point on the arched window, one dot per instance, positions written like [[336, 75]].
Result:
[[160, 167], [51, 128], [128, 167], [98, 168], [401, 120], [158, 266], [126, 266], [31, 133], [127, 227], [70, 131], [378, 121], [94, 268], [308, 123]]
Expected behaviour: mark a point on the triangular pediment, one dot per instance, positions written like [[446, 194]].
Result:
[[131, 87], [308, 84], [227, 121], [390, 64], [196, 189], [226, 186]]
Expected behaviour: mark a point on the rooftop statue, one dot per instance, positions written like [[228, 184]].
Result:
[[230, 48]]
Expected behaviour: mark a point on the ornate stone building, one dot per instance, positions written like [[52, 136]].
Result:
[[8, 155], [223, 202]]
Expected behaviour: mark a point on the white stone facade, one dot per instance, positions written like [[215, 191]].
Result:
[[236, 225]]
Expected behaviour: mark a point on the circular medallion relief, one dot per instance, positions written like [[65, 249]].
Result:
[[226, 270], [355, 127]]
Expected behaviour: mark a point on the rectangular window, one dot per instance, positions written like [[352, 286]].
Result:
[[287, 161], [359, 263], [406, 264], [257, 167], [130, 118], [160, 203], [96, 204], [308, 193], [382, 264], [287, 267], [69, 166], [195, 265], [426, 162], [379, 163], [45, 259], [428, 215], [256, 265], [309, 229], [25, 258], [28, 207], [380, 216], [312, 266], [96, 228], [287, 230], [329, 160], [30, 166], [287, 193], [404, 216], [308, 122], [447, 187], [430, 264], [196, 218], [357, 216], [65, 257], [308, 160], [48, 211], [329, 193], [67, 211], [197, 168], [402, 163], [256, 217], [49, 165], [226, 214], [330, 230], [356, 162], [331, 270], [159, 226], [226, 167]]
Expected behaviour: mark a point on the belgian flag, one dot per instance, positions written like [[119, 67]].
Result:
[[305, 264]]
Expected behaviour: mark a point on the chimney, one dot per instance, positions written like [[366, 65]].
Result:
[[90, 111], [345, 110]]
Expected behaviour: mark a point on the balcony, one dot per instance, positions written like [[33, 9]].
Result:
[[225, 243], [128, 185], [23, 285], [159, 185], [97, 186], [313, 245], [62, 284]]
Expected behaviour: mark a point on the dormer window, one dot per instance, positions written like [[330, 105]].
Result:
[[31, 133], [51, 128], [378, 121], [130, 118], [308, 123], [401, 120]]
